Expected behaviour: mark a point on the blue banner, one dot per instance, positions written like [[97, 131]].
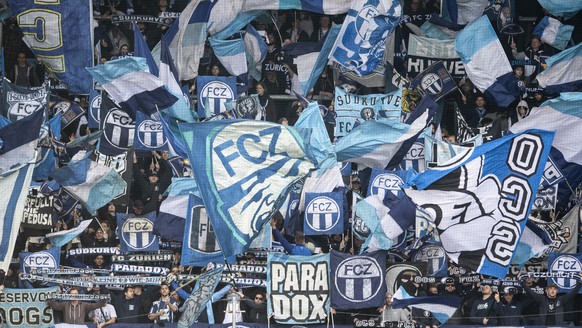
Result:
[[149, 134], [324, 213], [136, 232], [382, 182], [298, 288], [49, 259], [435, 81], [213, 94], [19, 102], [27, 307], [561, 262], [94, 105], [118, 128], [357, 280], [59, 34]]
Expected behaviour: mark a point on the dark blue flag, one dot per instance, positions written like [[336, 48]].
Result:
[[136, 232], [324, 213], [149, 134], [435, 81], [94, 105], [213, 94]]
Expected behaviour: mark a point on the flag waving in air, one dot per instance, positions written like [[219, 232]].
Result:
[[485, 192]]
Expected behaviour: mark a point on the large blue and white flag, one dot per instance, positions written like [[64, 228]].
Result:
[[534, 241], [244, 170], [375, 144], [118, 128], [559, 76], [136, 232], [92, 183], [303, 302], [457, 13], [562, 8], [485, 192], [486, 63], [14, 186], [18, 142], [564, 116], [385, 224], [357, 280], [361, 43], [232, 55], [30, 304], [174, 209], [553, 32], [200, 297], [46, 259], [61, 238], [149, 134], [214, 92], [324, 213], [384, 108], [129, 82], [19, 102], [141, 50], [60, 35], [441, 307], [199, 240], [256, 50], [318, 145]]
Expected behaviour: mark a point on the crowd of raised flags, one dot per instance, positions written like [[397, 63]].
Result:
[[381, 189]]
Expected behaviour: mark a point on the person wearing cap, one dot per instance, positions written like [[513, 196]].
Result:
[[298, 248], [485, 310], [551, 306], [149, 187], [511, 310]]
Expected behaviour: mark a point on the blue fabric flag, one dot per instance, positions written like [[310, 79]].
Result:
[[324, 213], [319, 147], [199, 238], [562, 8], [47, 259], [242, 182], [435, 81], [485, 62], [14, 186], [231, 53], [256, 50], [60, 35], [361, 42], [564, 116], [61, 238], [136, 232], [129, 82], [442, 307], [383, 182], [375, 144], [558, 77], [532, 243], [455, 14], [18, 142], [553, 32], [213, 94], [354, 287], [93, 117], [118, 128], [70, 110], [141, 50], [19, 102], [174, 209], [93, 184], [485, 192], [149, 134], [45, 160]]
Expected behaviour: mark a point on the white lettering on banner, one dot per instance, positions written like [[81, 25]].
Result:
[[359, 279], [566, 264], [299, 291]]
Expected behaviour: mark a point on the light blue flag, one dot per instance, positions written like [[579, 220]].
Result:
[[375, 144], [60, 35], [61, 238], [442, 307], [533, 243], [496, 183], [553, 32], [200, 297], [485, 62], [25, 300], [45, 159], [564, 116], [14, 186], [231, 54], [319, 147], [562, 8], [362, 40], [92, 183], [174, 209], [256, 50], [141, 50], [311, 305], [558, 77], [244, 169], [136, 232]]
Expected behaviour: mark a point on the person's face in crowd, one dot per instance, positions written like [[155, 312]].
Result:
[[535, 43], [258, 298], [356, 185], [153, 179], [165, 290], [518, 71], [111, 208], [480, 102], [415, 5], [486, 290], [21, 59], [270, 38], [388, 299], [284, 122], [432, 290], [450, 288], [260, 90], [106, 227], [324, 22], [215, 70], [163, 4], [137, 290], [452, 139], [137, 210], [124, 49], [165, 154], [522, 110], [552, 292], [529, 281], [99, 235], [538, 96], [508, 297], [466, 87], [99, 260]]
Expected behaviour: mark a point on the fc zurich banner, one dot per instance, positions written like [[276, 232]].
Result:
[[298, 288], [414, 158], [136, 232], [380, 107], [436, 258], [561, 262], [357, 280], [60, 36], [213, 94], [361, 42], [324, 213], [496, 183], [19, 102], [199, 246], [93, 112], [149, 135], [27, 307], [118, 128], [49, 259], [70, 110], [435, 81], [244, 169], [38, 213], [423, 52], [382, 182]]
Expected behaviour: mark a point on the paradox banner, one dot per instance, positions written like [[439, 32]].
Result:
[[26, 307], [298, 288]]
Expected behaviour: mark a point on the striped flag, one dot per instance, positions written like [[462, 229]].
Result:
[[18, 141], [142, 50], [553, 32], [256, 51], [442, 307], [558, 76], [462, 130]]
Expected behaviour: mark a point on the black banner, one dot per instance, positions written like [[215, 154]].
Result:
[[38, 213]]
